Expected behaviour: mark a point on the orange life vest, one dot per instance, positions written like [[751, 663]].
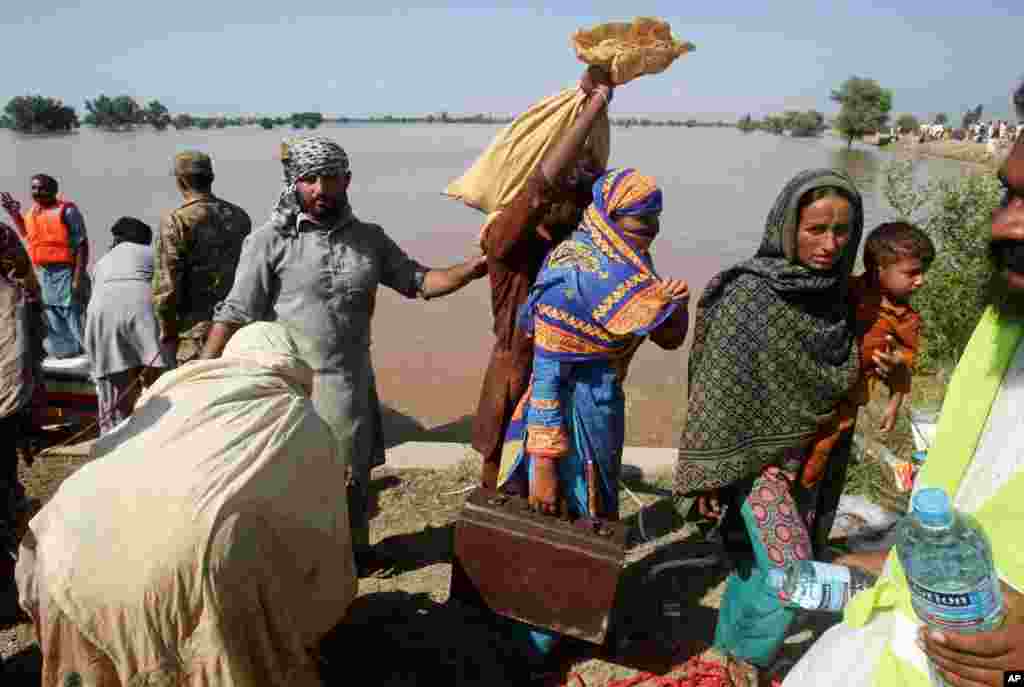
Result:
[[48, 240]]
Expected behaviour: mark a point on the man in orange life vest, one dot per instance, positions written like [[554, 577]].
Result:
[[58, 247]]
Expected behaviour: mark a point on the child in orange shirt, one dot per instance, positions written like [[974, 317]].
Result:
[[896, 257]]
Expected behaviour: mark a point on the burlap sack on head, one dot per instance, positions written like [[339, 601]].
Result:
[[630, 49], [503, 168]]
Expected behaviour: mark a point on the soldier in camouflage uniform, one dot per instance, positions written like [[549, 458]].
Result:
[[195, 257]]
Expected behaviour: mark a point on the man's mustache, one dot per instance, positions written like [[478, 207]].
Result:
[[1008, 255]]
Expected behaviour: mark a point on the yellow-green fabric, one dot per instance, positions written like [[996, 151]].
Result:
[[972, 391]]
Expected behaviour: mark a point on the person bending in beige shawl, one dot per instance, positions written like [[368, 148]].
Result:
[[208, 544]]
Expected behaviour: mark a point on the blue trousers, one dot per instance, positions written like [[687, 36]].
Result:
[[64, 328]]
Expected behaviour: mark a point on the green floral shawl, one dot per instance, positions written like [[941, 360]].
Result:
[[773, 350]]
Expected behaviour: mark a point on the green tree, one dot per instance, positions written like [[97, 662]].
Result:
[[790, 118], [267, 123], [183, 121], [776, 124], [6, 122], [746, 124], [864, 108], [805, 124], [36, 113], [956, 213], [204, 123], [157, 115], [941, 118], [310, 120], [907, 123], [119, 113]]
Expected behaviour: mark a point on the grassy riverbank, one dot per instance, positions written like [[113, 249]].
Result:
[[871, 477], [962, 151]]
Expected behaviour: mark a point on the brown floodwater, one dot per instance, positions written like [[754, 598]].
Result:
[[429, 356]]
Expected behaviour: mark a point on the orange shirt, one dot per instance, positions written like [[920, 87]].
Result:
[[878, 317]]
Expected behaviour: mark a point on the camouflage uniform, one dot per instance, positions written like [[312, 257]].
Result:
[[195, 256]]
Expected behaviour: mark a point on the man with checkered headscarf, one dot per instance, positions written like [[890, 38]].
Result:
[[315, 267]]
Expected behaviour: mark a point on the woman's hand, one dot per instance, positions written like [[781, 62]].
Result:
[[709, 505], [544, 486], [778, 474], [973, 660], [676, 290], [593, 77]]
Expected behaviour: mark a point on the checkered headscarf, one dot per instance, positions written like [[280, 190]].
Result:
[[302, 157]]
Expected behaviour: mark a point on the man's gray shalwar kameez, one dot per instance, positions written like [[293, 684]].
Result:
[[322, 282]]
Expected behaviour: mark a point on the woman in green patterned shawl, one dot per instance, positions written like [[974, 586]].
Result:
[[773, 354]]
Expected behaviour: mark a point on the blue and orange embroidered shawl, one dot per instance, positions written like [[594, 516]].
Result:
[[595, 296]]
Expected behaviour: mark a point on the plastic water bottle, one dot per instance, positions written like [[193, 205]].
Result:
[[814, 586], [948, 563]]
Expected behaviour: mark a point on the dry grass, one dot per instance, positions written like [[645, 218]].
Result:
[[870, 476], [963, 151]]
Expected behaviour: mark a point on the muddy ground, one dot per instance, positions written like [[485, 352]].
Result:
[[404, 613]]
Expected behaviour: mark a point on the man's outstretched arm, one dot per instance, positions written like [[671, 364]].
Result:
[[442, 282]]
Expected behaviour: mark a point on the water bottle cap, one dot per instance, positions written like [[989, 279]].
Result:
[[776, 578], [932, 507]]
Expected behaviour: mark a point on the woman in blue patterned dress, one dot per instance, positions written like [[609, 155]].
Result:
[[595, 300]]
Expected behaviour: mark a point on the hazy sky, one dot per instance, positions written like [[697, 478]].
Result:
[[413, 58]]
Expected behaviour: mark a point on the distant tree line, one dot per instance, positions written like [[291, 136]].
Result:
[[907, 123], [627, 122], [440, 118], [33, 113], [124, 112], [798, 124], [864, 110], [38, 114]]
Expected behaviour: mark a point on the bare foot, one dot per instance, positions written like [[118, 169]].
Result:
[[741, 673]]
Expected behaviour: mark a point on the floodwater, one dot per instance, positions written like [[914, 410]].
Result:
[[430, 356]]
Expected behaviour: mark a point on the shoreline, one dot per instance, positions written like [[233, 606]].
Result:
[[974, 154]]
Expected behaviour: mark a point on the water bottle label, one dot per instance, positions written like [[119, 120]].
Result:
[[828, 591], [958, 611]]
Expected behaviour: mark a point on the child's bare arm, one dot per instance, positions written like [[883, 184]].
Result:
[[891, 410]]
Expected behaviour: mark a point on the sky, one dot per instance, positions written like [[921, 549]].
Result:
[[414, 58]]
